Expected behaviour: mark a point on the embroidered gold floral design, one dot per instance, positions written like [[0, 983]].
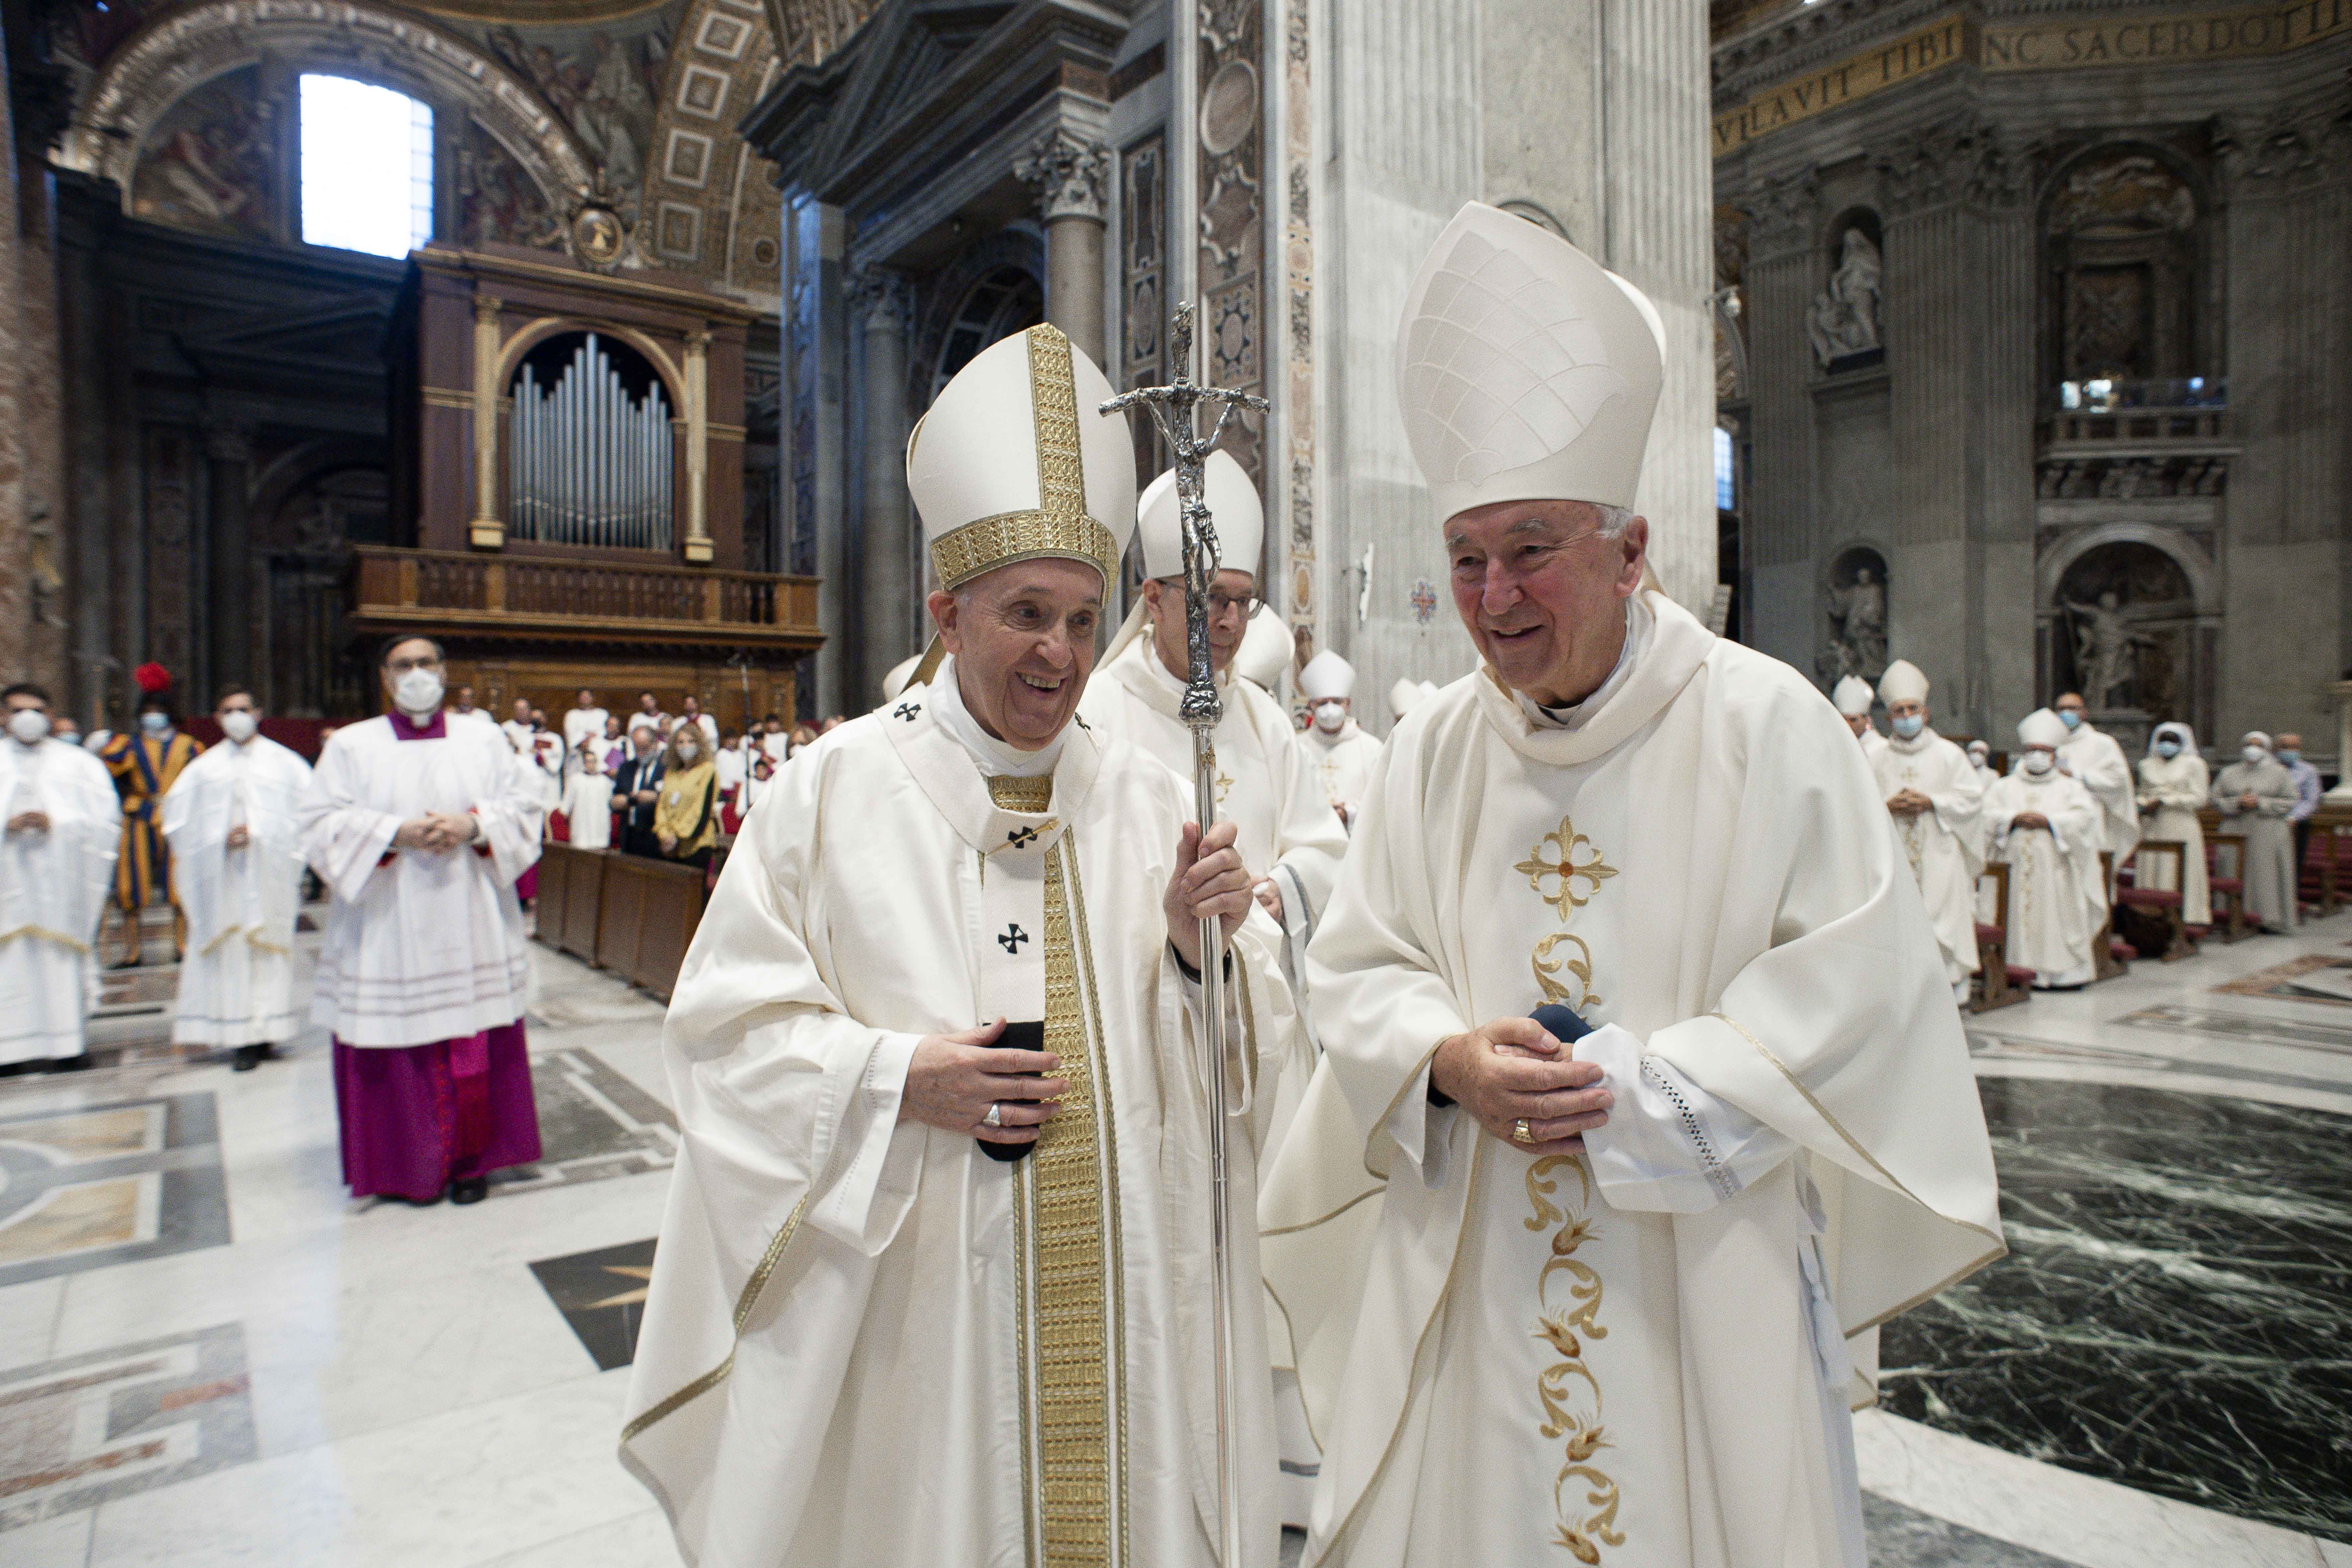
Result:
[[1578, 964], [1559, 866], [1589, 1523]]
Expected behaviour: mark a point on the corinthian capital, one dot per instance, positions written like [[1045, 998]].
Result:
[[883, 296], [1068, 174]]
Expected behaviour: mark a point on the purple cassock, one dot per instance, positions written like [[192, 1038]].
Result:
[[415, 1118]]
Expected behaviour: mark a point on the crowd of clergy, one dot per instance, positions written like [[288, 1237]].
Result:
[[1590, 1057]]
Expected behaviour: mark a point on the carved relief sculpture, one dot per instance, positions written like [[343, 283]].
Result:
[[1857, 627]]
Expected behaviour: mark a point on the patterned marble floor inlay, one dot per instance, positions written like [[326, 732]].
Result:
[[602, 1294], [593, 1123], [93, 1184], [2308, 1034], [2175, 1310], [88, 1429], [2294, 981]]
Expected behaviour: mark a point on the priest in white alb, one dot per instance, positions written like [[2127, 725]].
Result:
[[1343, 752], [1937, 800], [233, 821], [1852, 696], [61, 829], [421, 824], [1601, 1311], [2096, 759], [2047, 825], [933, 1285]]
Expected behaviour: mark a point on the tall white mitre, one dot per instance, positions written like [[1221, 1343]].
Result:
[[1405, 696], [1328, 675], [1266, 649], [1526, 370], [1236, 515], [1014, 462], [2042, 728], [1902, 682], [901, 673], [1852, 696]]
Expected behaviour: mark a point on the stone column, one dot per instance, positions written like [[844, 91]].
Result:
[[486, 531], [2000, 570], [887, 574], [228, 591], [698, 448], [1069, 177], [15, 540], [815, 335], [1784, 218]]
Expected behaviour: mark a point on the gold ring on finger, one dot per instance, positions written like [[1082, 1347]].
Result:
[[995, 1116], [1521, 1132]]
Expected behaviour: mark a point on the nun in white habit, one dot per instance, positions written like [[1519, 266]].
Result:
[[2173, 787]]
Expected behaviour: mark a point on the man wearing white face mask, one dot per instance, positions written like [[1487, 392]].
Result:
[[2093, 757], [60, 826], [422, 825], [1343, 753], [237, 854], [1938, 801], [2254, 796], [2046, 826]]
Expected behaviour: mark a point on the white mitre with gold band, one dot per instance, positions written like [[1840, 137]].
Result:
[[1235, 513], [1526, 370], [1014, 462]]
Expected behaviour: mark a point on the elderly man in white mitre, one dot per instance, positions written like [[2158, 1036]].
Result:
[[1266, 785], [1603, 1307], [1343, 753], [2046, 824], [933, 1283], [1852, 697], [1937, 800]]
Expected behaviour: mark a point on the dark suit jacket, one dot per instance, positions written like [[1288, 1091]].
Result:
[[636, 820]]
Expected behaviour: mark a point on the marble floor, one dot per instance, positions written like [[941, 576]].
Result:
[[209, 1355]]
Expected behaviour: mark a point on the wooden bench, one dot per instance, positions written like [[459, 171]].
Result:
[[626, 913], [2149, 918], [1998, 983], [2228, 893]]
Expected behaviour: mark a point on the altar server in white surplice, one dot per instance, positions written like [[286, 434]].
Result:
[[61, 829], [1937, 800], [909, 1306], [1852, 695], [2047, 826], [233, 821], [1602, 1312], [1266, 785], [1344, 754], [2096, 759]]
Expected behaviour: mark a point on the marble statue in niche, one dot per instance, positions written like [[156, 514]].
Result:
[[1843, 321], [2127, 610], [1855, 608], [209, 163]]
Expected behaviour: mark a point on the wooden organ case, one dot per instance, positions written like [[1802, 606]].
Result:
[[567, 493]]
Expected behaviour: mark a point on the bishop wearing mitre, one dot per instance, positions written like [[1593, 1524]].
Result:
[[2048, 826], [1343, 752], [1605, 1299], [1266, 785], [61, 828], [1852, 696], [933, 1285], [233, 820], [1937, 800]]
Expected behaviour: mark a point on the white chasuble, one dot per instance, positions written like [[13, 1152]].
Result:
[[1941, 844], [1521, 1360], [866, 1342], [236, 981], [1344, 763], [2098, 763], [2057, 899], [421, 946], [54, 885]]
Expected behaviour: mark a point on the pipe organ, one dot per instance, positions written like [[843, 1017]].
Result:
[[592, 454]]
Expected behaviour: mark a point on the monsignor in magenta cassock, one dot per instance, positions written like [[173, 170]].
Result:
[[867, 1342], [1641, 1355]]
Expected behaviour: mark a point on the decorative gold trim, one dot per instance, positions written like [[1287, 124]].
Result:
[[982, 546], [46, 935], [1116, 1284], [744, 1303], [1054, 414], [442, 397], [1585, 1530], [1010, 792]]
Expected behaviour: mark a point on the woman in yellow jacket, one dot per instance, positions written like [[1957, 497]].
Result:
[[686, 817]]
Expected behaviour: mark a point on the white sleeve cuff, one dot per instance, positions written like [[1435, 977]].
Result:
[[879, 1169], [1669, 1146]]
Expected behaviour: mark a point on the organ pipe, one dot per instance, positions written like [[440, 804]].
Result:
[[592, 464]]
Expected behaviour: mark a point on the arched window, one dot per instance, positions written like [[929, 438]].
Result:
[[367, 167], [1006, 302]]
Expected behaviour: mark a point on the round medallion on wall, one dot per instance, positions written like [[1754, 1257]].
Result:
[[597, 234], [1229, 107], [763, 253]]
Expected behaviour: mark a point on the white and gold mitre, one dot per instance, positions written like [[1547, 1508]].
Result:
[[1013, 462], [1526, 370], [1235, 513]]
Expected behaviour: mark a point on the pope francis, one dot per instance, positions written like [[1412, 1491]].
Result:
[[1596, 1300], [933, 1285]]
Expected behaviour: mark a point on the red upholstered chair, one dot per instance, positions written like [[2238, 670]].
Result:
[[2229, 893], [2149, 918], [1999, 983]]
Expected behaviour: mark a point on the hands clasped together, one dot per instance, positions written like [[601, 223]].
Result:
[[438, 832], [1510, 1072], [956, 1081]]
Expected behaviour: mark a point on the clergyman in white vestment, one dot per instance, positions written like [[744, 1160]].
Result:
[[1601, 1310], [2048, 827], [1851, 697], [1937, 800], [2096, 760], [1343, 752], [61, 829], [233, 820], [868, 1342]]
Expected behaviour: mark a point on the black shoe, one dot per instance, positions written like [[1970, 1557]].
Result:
[[251, 1056], [67, 1064], [469, 1189]]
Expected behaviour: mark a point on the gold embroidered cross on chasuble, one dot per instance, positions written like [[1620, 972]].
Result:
[[1066, 1243]]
